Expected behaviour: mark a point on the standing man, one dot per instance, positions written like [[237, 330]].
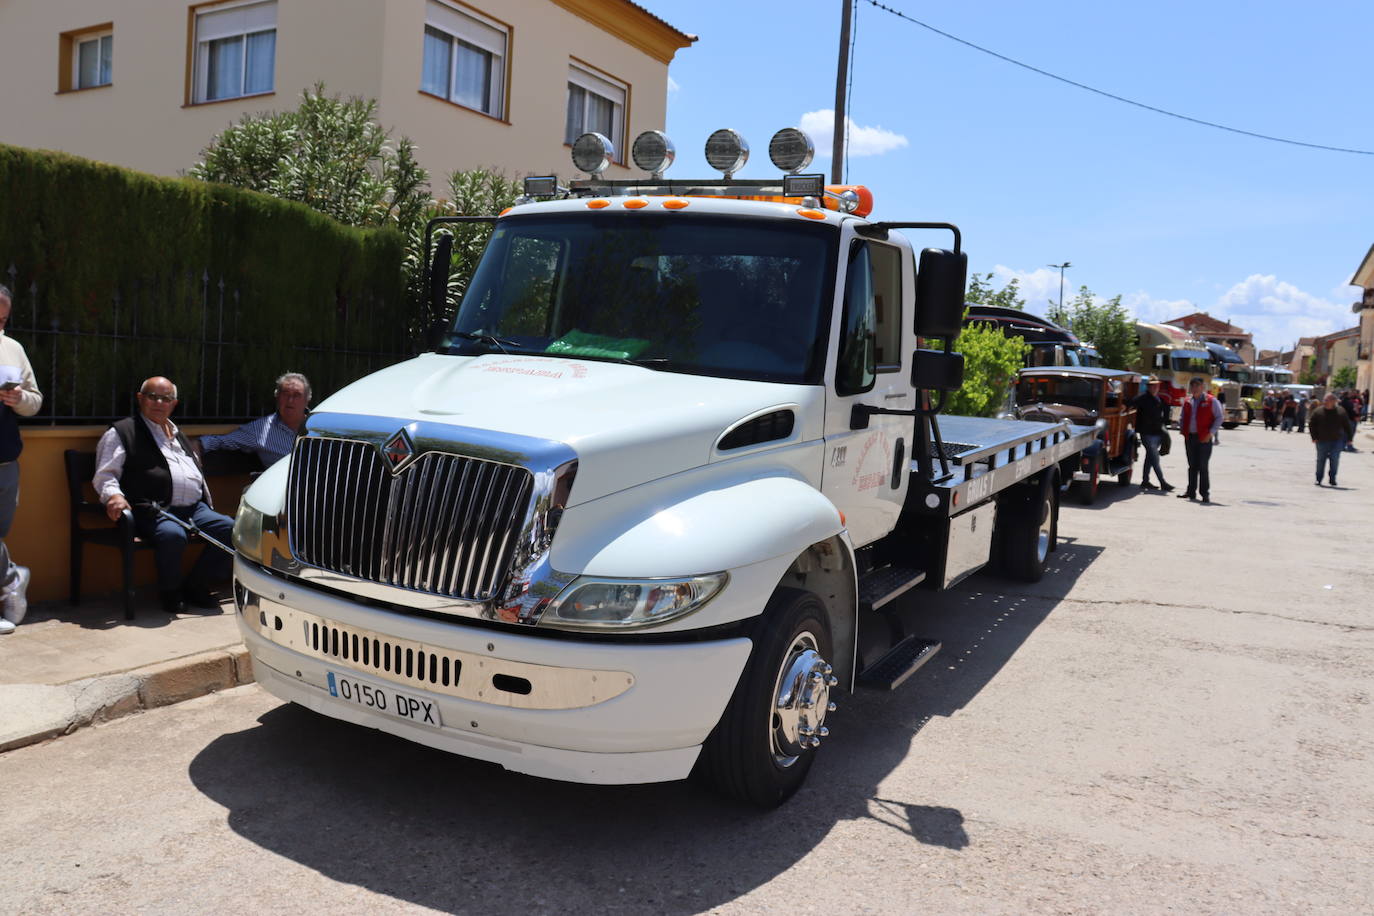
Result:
[[1329, 427], [1199, 422], [142, 463], [19, 397], [271, 437], [1149, 422]]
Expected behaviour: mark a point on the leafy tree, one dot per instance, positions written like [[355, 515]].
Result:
[[980, 291], [991, 361], [329, 154], [1308, 377], [1107, 326], [1344, 377], [474, 192]]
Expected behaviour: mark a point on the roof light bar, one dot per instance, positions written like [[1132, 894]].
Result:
[[726, 152], [791, 150], [653, 152], [592, 153]]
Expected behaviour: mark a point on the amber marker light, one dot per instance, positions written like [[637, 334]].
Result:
[[598, 204], [636, 203], [675, 203], [811, 214], [503, 212]]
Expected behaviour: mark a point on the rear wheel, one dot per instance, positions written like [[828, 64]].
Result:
[[764, 744], [1027, 525], [1124, 478], [1087, 489]]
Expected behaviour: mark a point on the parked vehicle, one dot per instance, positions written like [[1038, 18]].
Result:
[[1050, 344], [648, 506], [1173, 356], [1229, 378], [1086, 396]]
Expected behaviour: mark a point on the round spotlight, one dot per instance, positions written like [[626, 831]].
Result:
[[791, 150], [592, 153], [653, 152], [726, 151]]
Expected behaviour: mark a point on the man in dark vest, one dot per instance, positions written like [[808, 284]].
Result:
[[144, 462]]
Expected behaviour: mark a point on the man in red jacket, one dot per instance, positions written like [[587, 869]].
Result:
[[1199, 422]]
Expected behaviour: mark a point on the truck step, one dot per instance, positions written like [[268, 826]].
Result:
[[887, 583], [900, 663]]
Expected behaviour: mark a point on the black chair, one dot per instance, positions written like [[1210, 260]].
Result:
[[85, 505]]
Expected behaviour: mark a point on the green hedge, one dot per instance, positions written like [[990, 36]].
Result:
[[111, 269]]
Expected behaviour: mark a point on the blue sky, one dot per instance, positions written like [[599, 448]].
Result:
[[1174, 216]]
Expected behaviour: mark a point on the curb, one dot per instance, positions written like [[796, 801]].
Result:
[[30, 713]]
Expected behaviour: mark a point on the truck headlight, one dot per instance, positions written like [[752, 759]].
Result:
[[248, 532], [598, 604]]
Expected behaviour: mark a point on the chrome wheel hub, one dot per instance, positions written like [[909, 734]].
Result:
[[800, 701], [1042, 543]]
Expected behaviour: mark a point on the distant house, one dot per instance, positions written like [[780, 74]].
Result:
[[503, 83], [1364, 364], [1204, 326], [1335, 351]]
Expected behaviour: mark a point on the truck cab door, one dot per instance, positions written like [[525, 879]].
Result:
[[866, 470]]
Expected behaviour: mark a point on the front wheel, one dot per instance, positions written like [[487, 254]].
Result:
[[764, 744]]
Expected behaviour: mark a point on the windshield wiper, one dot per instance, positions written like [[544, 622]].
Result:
[[648, 362], [499, 343]]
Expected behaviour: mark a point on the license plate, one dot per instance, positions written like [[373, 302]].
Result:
[[384, 699]]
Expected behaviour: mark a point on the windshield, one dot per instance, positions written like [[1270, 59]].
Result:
[[1239, 375], [709, 296], [1185, 363], [1077, 392]]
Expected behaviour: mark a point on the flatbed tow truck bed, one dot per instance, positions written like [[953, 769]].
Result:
[[984, 456]]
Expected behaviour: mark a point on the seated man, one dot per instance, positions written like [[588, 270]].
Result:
[[271, 437], [144, 462]]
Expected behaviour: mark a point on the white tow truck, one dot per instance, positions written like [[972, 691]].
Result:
[[649, 506]]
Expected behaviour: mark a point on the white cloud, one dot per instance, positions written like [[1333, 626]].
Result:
[[863, 141], [1274, 312]]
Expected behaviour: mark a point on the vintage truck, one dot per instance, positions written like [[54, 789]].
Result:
[[649, 506], [1086, 396]]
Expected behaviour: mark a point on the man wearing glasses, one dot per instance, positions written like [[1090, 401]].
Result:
[[142, 463]]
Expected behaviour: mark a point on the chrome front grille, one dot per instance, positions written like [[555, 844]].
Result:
[[446, 524]]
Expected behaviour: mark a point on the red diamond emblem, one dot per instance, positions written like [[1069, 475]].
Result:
[[398, 450]]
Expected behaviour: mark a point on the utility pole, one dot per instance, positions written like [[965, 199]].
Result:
[[1061, 268], [841, 87]]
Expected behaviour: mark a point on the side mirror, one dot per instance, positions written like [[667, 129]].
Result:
[[937, 371], [941, 278], [438, 276]]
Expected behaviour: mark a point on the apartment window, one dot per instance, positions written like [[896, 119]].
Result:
[[465, 58], [595, 103], [235, 51], [86, 58]]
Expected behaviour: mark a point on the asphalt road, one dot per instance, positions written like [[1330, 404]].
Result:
[[1177, 719]]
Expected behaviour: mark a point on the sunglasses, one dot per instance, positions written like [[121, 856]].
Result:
[[159, 398]]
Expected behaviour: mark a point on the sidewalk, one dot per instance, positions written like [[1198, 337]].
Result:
[[66, 667]]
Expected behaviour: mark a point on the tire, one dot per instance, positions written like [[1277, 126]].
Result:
[[1249, 415], [1231, 425], [756, 753], [1087, 489], [1027, 530], [1124, 478]]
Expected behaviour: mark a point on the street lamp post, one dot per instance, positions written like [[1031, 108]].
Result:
[[1061, 268]]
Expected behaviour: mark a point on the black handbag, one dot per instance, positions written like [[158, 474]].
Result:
[[1166, 442]]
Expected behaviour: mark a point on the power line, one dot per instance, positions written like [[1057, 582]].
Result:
[[1172, 114]]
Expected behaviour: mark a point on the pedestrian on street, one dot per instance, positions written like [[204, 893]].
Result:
[[1270, 405], [1198, 423], [1330, 427], [1150, 413], [1302, 412], [19, 397], [1290, 412], [1347, 403]]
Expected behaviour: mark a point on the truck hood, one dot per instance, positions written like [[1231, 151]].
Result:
[[628, 424]]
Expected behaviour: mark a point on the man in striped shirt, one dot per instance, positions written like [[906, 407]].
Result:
[[271, 437]]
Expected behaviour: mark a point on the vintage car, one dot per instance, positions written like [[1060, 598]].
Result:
[[1086, 396]]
